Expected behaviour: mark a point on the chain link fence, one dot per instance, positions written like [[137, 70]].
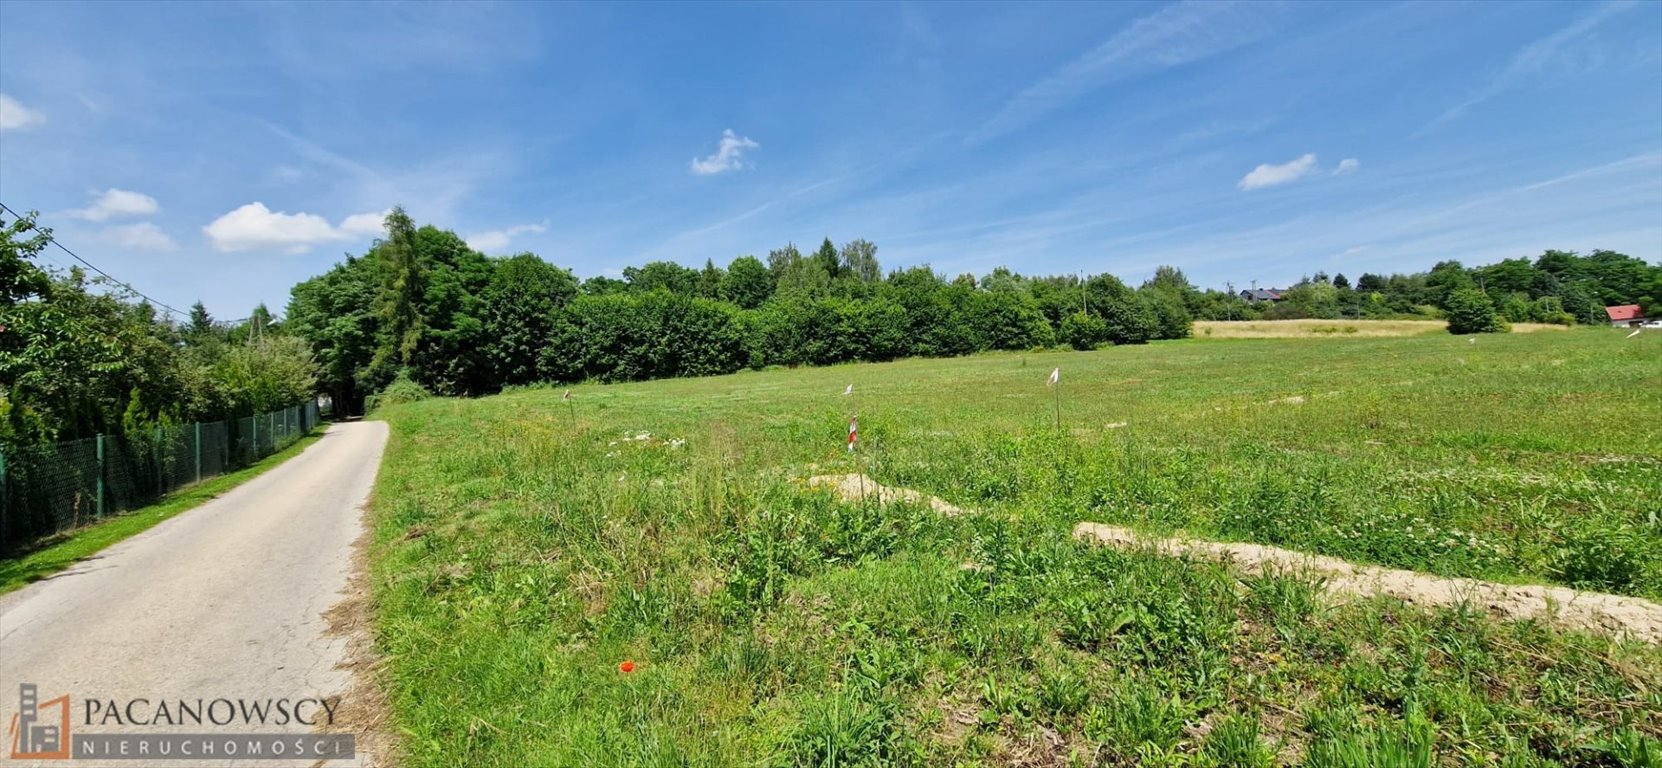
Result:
[[52, 488]]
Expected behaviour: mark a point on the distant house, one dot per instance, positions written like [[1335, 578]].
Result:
[[1257, 295], [1625, 316]]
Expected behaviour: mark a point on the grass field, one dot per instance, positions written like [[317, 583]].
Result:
[[520, 554]]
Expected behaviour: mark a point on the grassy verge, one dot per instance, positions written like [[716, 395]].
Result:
[[520, 555], [19, 569]]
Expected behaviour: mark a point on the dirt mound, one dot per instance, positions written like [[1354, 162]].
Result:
[[1612, 614], [1594, 611], [860, 487]]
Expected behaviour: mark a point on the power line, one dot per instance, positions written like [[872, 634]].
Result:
[[91, 266]]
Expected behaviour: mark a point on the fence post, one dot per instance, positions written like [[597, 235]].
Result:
[[100, 509], [160, 479], [254, 442], [198, 451]]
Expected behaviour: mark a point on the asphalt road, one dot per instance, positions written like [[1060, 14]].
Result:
[[225, 601]]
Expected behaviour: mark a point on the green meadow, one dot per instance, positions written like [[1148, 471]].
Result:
[[524, 546]]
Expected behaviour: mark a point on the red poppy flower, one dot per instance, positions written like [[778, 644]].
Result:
[[626, 667]]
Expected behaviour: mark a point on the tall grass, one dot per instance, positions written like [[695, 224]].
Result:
[[519, 557]]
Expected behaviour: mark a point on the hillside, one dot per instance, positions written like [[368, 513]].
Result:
[[526, 546]]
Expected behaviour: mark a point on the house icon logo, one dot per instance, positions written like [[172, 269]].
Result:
[[35, 734]]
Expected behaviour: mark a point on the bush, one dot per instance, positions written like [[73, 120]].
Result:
[[1173, 320], [1082, 331], [1008, 320], [1471, 311], [628, 337], [1549, 309], [1131, 320], [402, 390], [1285, 311]]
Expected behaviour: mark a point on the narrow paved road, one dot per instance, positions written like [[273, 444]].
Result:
[[225, 601]]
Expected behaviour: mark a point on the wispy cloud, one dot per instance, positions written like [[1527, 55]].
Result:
[[14, 116], [495, 241], [117, 202], [1347, 166], [256, 227], [1173, 36], [431, 191], [1591, 208], [1532, 59], [1647, 164], [728, 157], [143, 236], [1649, 160], [1267, 175]]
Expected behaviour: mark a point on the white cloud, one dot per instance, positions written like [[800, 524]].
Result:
[[255, 227], [497, 240], [1347, 165], [1267, 175], [143, 236], [117, 202], [14, 115], [728, 157], [367, 224]]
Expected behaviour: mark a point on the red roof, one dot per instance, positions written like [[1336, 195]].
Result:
[[1623, 312]]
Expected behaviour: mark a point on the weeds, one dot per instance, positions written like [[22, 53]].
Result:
[[518, 559]]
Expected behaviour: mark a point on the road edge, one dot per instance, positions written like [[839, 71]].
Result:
[[193, 497]]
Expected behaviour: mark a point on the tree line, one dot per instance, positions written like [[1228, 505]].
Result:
[[1560, 287], [82, 356], [423, 310], [421, 305]]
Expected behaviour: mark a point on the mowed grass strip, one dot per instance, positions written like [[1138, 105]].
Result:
[[521, 554], [1314, 328]]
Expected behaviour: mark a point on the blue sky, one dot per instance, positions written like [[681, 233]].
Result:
[[224, 152]]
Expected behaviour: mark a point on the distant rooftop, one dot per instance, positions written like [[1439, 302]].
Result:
[[1623, 312]]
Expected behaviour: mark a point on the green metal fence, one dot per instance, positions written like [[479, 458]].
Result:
[[51, 488]]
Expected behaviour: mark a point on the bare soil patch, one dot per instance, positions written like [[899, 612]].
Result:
[[1343, 580], [364, 707], [1596, 611], [860, 487]]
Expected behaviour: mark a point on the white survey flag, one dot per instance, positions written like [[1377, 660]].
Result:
[[1636, 333], [850, 390], [1055, 377]]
